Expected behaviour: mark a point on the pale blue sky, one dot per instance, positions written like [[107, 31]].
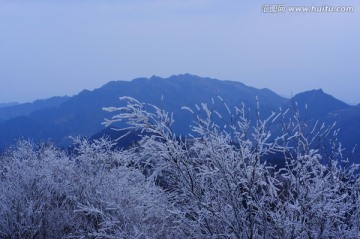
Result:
[[60, 47]]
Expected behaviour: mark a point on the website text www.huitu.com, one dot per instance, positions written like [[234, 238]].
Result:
[[282, 8]]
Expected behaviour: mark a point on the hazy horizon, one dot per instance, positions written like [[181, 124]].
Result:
[[52, 48]]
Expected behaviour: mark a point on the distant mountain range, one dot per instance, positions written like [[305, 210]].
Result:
[[12, 110], [8, 104], [58, 118]]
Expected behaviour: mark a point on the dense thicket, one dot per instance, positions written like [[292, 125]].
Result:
[[215, 183]]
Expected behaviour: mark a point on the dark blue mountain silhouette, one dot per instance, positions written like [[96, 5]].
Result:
[[82, 114], [12, 110], [316, 104], [8, 104]]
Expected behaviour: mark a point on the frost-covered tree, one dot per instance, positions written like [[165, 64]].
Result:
[[35, 188], [116, 199], [221, 185], [277, 177], [46, 193]]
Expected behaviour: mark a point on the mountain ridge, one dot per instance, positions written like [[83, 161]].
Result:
[[82, 114], [318, 104], [16, 109]]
